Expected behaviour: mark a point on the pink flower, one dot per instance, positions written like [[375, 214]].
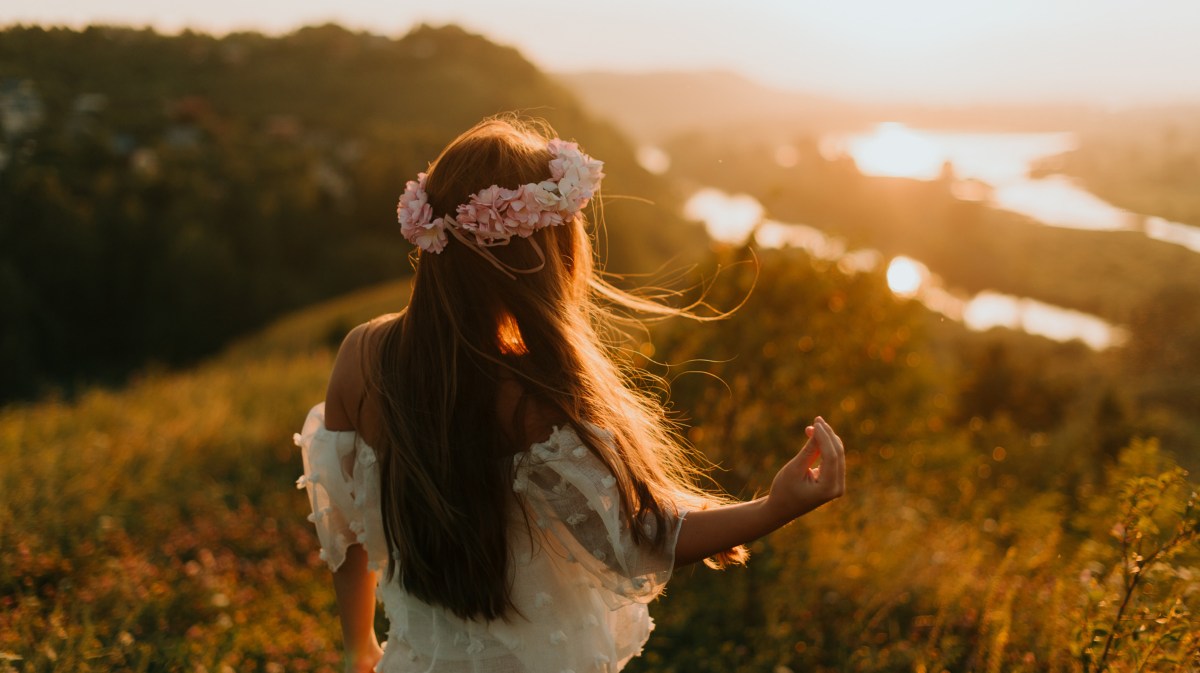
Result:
[[523, 212], [495, 215], [578, 175], [413, 211], [534, 208], [484, 214], [431, 237]]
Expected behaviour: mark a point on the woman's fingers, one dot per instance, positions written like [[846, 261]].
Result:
[[833, 457], [809, 452], [837, 456], [825, 446]]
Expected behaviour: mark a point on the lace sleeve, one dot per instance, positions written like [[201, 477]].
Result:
[[573, 497], [342, 479]]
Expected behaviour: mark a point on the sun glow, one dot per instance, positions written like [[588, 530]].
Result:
[[894, 150]]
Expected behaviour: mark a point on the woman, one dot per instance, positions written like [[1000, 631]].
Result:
[[482, 462]]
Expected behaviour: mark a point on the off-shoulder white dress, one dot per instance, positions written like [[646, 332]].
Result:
[[579, 583]]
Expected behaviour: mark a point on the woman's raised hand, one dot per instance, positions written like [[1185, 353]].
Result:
[[800, 487]]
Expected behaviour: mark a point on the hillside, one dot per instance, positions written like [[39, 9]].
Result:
[[160, 195], [158, 527]]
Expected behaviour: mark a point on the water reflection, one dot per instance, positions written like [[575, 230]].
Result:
[[991, 309], [992, 158], [995, 167], [905, 276], [734, 218], [1057, 201], [653, 159], [728, 218]]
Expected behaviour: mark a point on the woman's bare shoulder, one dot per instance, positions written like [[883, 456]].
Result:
[[382, 321], [347, 382]]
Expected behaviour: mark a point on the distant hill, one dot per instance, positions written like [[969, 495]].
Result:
[[160, 195], [654, 107]]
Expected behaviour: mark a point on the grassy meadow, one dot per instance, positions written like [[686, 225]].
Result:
[[157, 527]]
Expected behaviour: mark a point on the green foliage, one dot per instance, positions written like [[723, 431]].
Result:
[[181, 190], [1134, 618]]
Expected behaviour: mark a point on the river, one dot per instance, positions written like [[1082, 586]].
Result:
[[991, 167], [996, 168]]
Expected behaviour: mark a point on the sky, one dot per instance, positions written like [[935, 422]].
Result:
[[1108, 52]]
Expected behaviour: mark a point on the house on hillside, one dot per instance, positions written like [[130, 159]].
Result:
[[21, 109]]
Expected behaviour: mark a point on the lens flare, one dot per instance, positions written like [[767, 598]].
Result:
[[905, 276]]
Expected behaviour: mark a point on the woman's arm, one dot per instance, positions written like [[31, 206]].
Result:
[[798, 488], [353, 582], [354, 585]]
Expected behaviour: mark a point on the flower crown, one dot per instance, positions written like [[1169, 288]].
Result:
[[495, 215]]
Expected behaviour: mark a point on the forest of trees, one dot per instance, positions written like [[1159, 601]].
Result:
[[160, 195]]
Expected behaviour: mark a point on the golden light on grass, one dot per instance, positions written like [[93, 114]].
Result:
[[905, 276]]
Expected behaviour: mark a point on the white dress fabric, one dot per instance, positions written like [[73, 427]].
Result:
[[579, 583]]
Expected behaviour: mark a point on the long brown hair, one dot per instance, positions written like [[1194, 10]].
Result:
[[446, 462]]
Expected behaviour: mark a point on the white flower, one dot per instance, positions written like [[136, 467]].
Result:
[[558, 637], [546, 194]]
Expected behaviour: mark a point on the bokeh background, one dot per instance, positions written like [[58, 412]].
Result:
[[968, 235]]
